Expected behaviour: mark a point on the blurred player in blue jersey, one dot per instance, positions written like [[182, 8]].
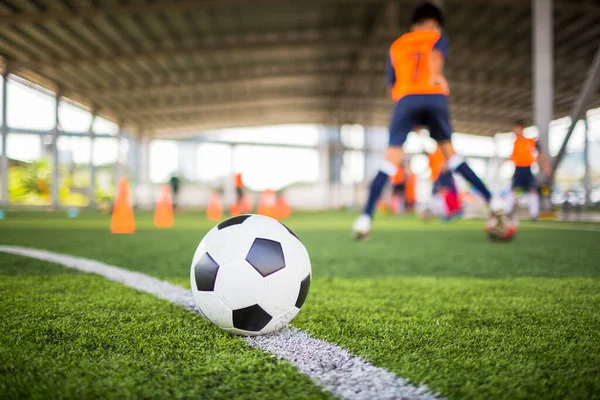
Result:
[[419, 88]]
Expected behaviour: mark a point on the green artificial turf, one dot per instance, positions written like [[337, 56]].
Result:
[[77, 336], [517, 338], [435, 303]]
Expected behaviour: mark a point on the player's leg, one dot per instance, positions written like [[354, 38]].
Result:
[[534, 204], [533, 200], [393, 157], [458, 164], [400, 126], [362, 225], [438, 120], [522, 180], [511, 200]]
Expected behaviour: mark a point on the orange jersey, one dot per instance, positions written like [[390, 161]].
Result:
[[410, 57], [398, 179], [436, 162], [523, 154], [238, 181]]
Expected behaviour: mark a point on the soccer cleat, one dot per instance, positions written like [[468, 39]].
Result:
[[362, 227]]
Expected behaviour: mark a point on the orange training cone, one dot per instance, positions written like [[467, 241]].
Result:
[[163, 215], [214, 211], [245, 205], [122, 217], [267, 204], [283, 207], [235, 209]]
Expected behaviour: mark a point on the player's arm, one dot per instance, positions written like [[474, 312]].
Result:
[[543, 160], [439, 54], [391, 74]]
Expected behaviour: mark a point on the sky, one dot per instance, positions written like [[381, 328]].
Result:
[[262, 166]]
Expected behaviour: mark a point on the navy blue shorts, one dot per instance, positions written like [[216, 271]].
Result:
[[523, 179], [415, 110], [444, 181]]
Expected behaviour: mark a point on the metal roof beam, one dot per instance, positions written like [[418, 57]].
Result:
[[215, 80], [142, 8], [29, 17], [324, 39]]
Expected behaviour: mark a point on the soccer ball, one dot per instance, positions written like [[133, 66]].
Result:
[[250, 275], [502, 228]]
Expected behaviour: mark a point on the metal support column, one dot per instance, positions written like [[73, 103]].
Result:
[[118, 161], [228, 195], [55, 157], [336, 159], [591, 84], [142, 191], [144, 160], [4, 160], [587, 184], [543, 69], [133, 159], [91, 166]]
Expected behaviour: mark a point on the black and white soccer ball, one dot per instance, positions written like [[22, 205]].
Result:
[[250, 275]]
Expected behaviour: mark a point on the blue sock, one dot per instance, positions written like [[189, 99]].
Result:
[[375, 192], [473, 179]]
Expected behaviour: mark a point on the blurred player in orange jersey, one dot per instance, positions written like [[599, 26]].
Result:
[[419, 88], [524, 156], [444, 185], [242, 204], [436, 163], [444, 195], [398, 187], [239, 187]]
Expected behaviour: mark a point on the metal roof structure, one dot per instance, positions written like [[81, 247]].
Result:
[[167, 67]]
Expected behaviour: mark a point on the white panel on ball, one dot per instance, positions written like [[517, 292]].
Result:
[[280, 321], [238, 285], [230, 244], [214, 309], [281, 291]]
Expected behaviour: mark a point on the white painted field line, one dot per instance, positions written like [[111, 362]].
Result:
[[336, 370]]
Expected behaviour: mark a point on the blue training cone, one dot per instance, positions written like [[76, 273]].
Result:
[[2, 215], [72, 212]]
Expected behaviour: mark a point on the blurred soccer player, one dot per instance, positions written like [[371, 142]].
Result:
[[239, 187], [175, 183], [524, 156], [398, 187], [436, 163], [445, 202], [419, 88]]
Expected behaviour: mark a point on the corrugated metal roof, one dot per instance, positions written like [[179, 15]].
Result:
[[167, 67]]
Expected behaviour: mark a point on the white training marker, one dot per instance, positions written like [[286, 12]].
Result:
[[333, 368]]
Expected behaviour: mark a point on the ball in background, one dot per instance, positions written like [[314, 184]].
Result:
[[250, 275], [503, 229]]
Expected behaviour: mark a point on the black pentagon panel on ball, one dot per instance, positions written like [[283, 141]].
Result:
[[290, 231], [304, 286], [205, 273], [251, 319], [233, 221], [266, 256]]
